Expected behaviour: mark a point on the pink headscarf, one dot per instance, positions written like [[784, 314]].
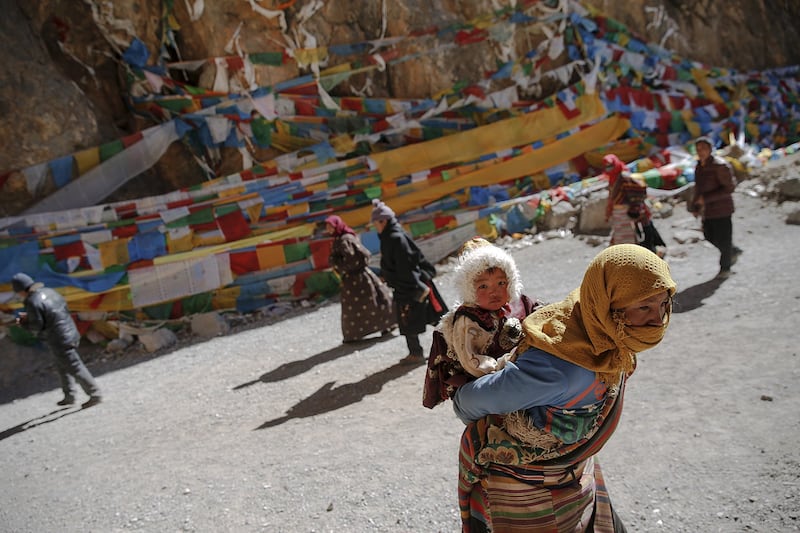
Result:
[[613, 167], [339, 227]]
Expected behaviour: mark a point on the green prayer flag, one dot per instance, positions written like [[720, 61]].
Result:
[[175, 104], [296, 252], [196, 91], [373, 192], [111, 149], [685, 75], [159, 311], [197, 303], [223, 210], [325, 283], [329, 81], [337, 178], [431, 133], [423, 227], [653, 178], [262, 131], [204, 216], [676, 122], [274, 59]]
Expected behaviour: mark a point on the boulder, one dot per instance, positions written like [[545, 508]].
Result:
[[209, 324], [558, 216], [158, 339], [788, 188], [792, 211], [592, 219]]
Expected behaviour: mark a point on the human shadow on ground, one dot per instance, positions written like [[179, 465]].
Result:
[[38, 421], [19, 378], [329, 398], [692, 298], [295, 368]]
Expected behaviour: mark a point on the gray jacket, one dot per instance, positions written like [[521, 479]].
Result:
[[49, 318]]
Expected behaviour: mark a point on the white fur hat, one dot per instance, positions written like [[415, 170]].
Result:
[[478, 260]]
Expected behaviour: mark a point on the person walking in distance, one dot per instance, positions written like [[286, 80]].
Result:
[[627, 209], [366, 300], [712, 202], [46, 314], [417, 301]]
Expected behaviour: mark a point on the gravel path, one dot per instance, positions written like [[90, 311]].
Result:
[[281, 428]]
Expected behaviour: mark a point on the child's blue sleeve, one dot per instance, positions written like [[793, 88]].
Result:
[[532, 381]]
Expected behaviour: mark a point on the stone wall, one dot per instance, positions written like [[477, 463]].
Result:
[[63, 87]]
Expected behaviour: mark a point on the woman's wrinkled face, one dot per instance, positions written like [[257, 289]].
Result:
[[649, 312], [491, 289], [329, 229]]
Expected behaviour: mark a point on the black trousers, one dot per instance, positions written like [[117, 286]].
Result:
[[719, 232], [413, 317], [651, 238]]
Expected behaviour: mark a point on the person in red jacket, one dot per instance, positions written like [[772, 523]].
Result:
[[713, 203]]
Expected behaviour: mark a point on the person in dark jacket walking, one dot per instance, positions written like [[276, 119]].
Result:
[[713, 203], [46, 314], [417, 301]]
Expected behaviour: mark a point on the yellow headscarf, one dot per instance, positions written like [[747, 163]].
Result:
[[584, 329]]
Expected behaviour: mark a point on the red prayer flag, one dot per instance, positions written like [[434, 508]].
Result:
[[234, 63], [72, 249], [233, 226], [132, 139], [320, 252], [244, 262]]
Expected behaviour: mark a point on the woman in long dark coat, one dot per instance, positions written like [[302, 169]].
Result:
[[404, 267], [366, 300]]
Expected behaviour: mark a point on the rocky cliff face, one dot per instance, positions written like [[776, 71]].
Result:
[[64, 87]]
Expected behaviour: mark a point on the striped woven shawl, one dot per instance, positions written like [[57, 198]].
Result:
[[506, 485]]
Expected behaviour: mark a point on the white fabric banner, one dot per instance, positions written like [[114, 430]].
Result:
[[35, 176], [95, 185], [172, 281]]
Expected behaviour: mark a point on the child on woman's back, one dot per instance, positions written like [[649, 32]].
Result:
[[480, 334]]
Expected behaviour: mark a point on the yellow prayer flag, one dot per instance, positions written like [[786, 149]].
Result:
[[207, 238], [270, 256], [694, 128], [227, 193], [471, 144], [308, 56], [254, 211], [541, 181], [343, 144], [225, 298], [336, 69], [701, 78], [298, 209], [485, 229], [87, 160], [180, 241], [528, 164], [114, 252]]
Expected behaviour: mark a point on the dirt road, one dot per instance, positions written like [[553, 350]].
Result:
[[283, 429]]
